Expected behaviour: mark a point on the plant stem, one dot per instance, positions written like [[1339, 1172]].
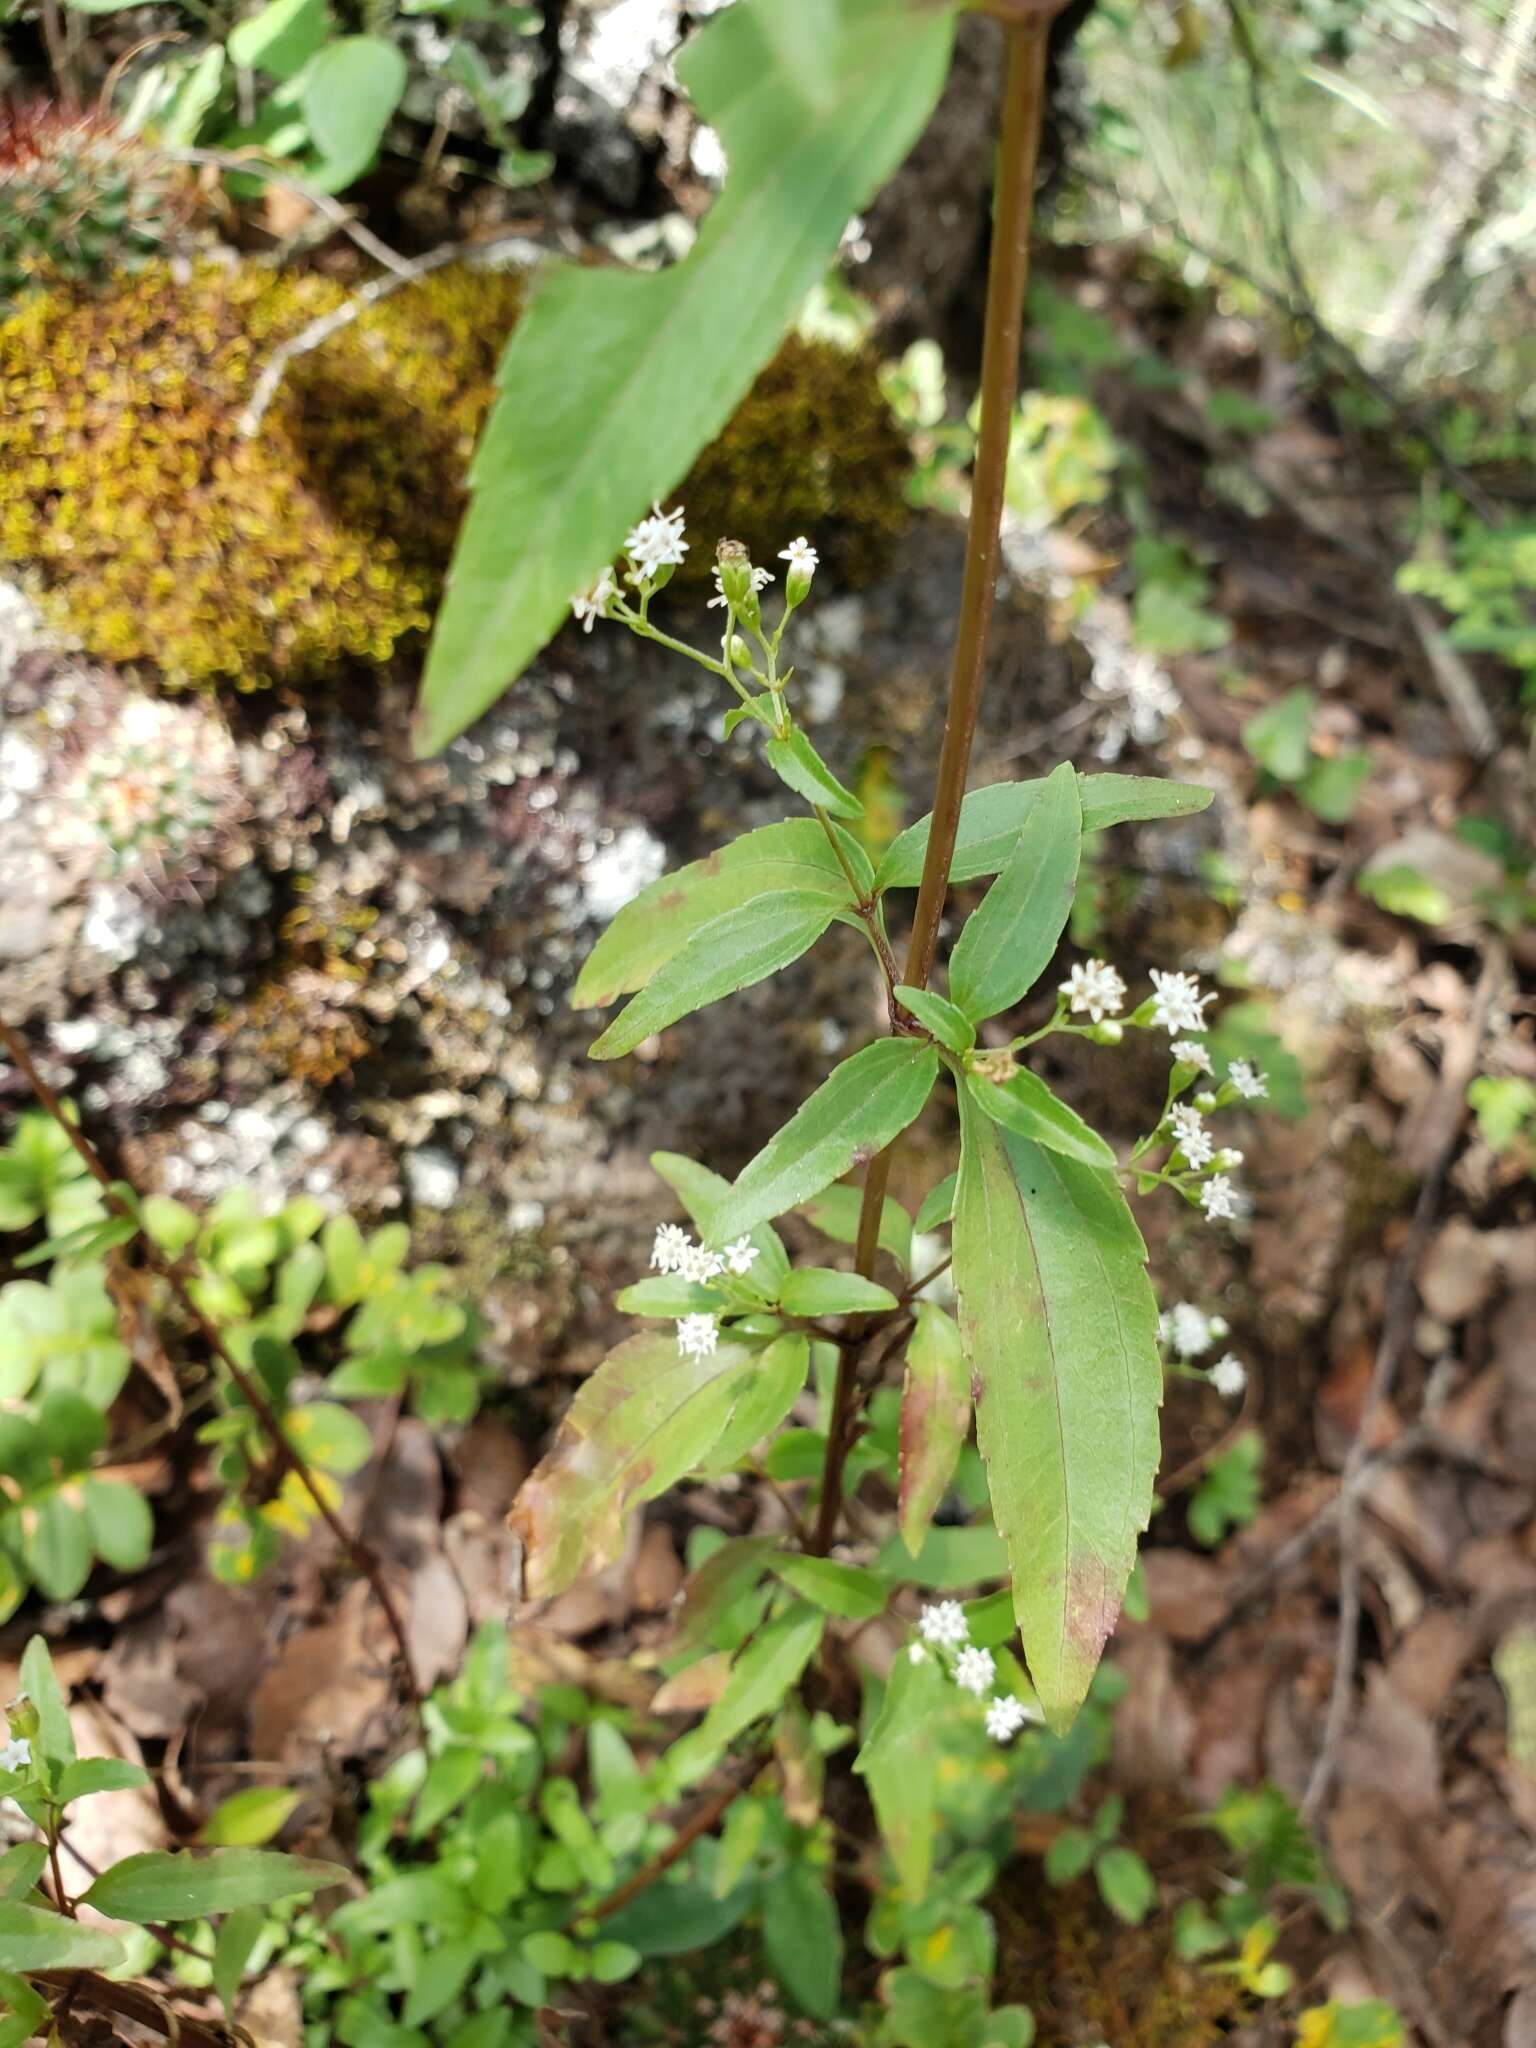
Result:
[[363, 1560], [1007, 277]]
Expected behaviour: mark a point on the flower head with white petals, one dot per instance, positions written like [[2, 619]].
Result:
[[15, 1755], [1178, 1004], [1193, 1139], [1193, 1054], [698, 1264], [740, 1255], [974, 1671], [1229, 1376], [802, 558], [697, 1336], [1248, 1081], [594, 604], [943, 1625], [1093, 988], [1219, 1198], [655, 544], [1187, 1329], [669, 1248], [1005, 1716]]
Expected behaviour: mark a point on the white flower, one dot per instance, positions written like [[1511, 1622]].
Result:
[[1187, 1329], [697, 1264], [944, 1625], [740, 1255], [670, 1243], [1179, 1005], [656, 543], [697, 1336], [1193, 1054], [1218, 1198], [594, 605], [760, 581], [16, 1755], [974, 1671], [1005, 1716], [1229, 1376], [1193, 1139], [1248, 1081], [916, 1654], [1094, 987], [802, 558]]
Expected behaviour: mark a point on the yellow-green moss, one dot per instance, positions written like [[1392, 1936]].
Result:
[[164, 538]]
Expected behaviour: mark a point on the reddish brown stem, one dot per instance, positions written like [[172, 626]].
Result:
[[363, 1560], [1026, 27], [704, 1816]]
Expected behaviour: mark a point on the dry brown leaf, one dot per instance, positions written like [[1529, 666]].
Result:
[[327, 1689], [696, 1688], [1459, 1273]]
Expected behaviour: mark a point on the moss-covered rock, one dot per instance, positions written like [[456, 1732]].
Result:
[[165, 538]]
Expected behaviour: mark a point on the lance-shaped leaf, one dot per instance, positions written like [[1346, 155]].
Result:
[[34, 1938], [991, 818], [854, 1114], [900, 1764], [835, 1213], [766, 1398], [614, 380], [800, 768], [166, 1885], [1027, 1106], [732, 951], [760, 1677], [793, 857], [1007, 945], [935, 1419], [1060, 1330], [643, 1419]]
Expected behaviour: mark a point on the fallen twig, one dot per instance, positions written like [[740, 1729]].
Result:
[[341, 217]]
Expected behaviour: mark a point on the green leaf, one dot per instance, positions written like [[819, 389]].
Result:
[[844, 1589], [643, 1419], [835, 1213], [766, 1398], [166, 1885], [798, 765], [281, 38], [1332, 784], [938, 1205], [951, 1557], [329, 1436], [733, 951], [1060, 1328], [855, 1113], [59, 1548], [1278, 738], [39, 1683], [1125, 1884], [1069, 1855], [584, 437], [937, 1015], [20, 1869], [246, 1820], [823, 1291], [935, 1419], [803, 1938], [719, 1583], [98, 1774], [34, 1938], [992, 818], [1007, 944], [237, 1936], [1026, 1106], [349, 93], [790, 858], [73, 1428], [900, 1764], [760, 1677], [121, 1523]]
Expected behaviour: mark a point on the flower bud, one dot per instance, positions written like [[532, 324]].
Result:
[[23, 1719], [735, 567], [999, 1066], [1109, 1031], [1205, 1102]]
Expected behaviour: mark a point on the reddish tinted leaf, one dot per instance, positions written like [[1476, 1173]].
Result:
[[935, 1419]]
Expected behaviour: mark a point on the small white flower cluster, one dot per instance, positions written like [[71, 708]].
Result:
[[674, 1251], [1177, 1004], [761, 578], [1093, 989], [655, 544], [16, 1754], [944, 1629], [1190, 1332]]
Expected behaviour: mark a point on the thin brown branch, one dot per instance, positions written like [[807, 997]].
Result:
[[363, 1560], [142, 2005], [738, 1775], [251, 164]]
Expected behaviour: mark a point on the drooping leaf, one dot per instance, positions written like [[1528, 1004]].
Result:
[[991, 819], [835, 1213], [855, 1113], [643, 1419], [1060, 1329], [719, 1583], [237, 1936], [937, 1206], [800, 768], [614, 380], [1007, 944], [163, 1884], [732, 951], [34, 1938], [900, 1764], [1025, 1105], [90, 1774], [935, 1419], [836, 1588], [793, 857]]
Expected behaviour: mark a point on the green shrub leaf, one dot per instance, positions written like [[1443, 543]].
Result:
[[584, 437], [900, 1764], [1060, 1329], [843, 1589], [349, 92], [166, 1885], [935, 1419], [823, 1291], [1007, 945], [32, 1938], [1027, 1106], [800, 768], [803, 1938]]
